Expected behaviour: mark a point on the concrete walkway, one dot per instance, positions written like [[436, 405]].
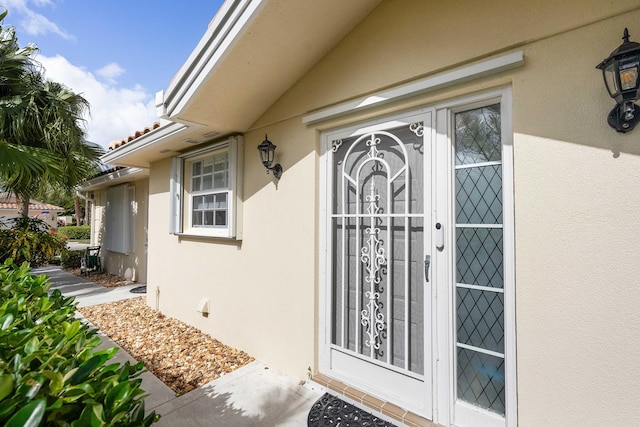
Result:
[[253, 395], [83, 289]]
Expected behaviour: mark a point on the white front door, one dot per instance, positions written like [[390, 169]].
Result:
[[418, 269], [378, 205]]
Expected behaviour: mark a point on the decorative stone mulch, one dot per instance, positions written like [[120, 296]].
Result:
[[180, 355], [103, 279], [332, 411]]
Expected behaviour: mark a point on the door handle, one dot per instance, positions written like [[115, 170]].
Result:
[[427, 264]]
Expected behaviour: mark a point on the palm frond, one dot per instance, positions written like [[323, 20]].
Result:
[[42, 132], [16, 157]]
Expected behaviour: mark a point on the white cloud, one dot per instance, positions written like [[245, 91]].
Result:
[[110, 72], [35, 24], [116, 112], [43, 2], [32, 22]]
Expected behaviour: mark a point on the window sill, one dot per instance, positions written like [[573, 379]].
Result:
[[196, 236]]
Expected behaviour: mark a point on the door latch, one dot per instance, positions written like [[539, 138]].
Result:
[[427, 264]]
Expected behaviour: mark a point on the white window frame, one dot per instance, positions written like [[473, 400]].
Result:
[[214, 191], [181, 196], [120, 213]]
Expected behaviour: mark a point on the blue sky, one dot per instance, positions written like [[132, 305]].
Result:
[[116, 53]]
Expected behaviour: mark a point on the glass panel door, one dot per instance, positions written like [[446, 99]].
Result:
[[479, 264]]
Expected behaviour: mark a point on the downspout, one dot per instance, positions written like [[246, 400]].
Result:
[[79, 194], [89, 202]]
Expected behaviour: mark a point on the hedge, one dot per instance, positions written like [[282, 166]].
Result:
[[71, 259], [50, 371], [76, 232]]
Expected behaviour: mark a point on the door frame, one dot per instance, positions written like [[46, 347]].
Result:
[[440, 309]]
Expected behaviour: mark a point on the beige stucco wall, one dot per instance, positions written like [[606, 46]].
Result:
[[576, 235], [261, 289], [117, 263], [575, 194]]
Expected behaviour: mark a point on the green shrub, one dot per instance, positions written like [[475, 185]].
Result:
[[50, 371], [71, 259], [73, 232], [29, 240]]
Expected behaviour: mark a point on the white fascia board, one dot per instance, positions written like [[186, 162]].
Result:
[[427, 84], [112, 177], [142, 142], [231, 20]]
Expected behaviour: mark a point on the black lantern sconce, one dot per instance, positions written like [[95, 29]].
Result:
[[267, 153], [621, 72]]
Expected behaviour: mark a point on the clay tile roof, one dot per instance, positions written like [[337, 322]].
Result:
[[8, 201], [39, 206], [120, 142]]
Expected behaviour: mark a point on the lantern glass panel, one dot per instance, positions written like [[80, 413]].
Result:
[[610, 79], [266, 154], [266, 150]]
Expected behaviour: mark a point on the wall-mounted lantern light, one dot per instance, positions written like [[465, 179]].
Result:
[[621, 72], [267, 153]]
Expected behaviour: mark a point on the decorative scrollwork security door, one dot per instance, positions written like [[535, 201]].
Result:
[[379, 336]]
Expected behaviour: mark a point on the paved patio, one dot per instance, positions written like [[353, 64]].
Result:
[[253, 395]]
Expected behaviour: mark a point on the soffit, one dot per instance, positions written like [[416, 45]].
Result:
[[164, 141], [242, 65], [281, 41]]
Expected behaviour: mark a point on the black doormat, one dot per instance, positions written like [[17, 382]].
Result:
[[332, 411]]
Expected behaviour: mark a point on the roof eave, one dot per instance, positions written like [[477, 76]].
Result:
[[233, 17], [254, 47], [150, 142], [114, 178], [213, 93]]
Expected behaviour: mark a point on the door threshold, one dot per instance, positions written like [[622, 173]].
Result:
[[362, 399]]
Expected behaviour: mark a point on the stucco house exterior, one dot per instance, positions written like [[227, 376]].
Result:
[[9, 208], [453, 238], [119, 198], [119, 214]]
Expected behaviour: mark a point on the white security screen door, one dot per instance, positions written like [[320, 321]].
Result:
[[379, 204]]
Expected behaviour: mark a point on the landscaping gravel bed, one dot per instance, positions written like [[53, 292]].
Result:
[[180, 355], [104, 279]]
